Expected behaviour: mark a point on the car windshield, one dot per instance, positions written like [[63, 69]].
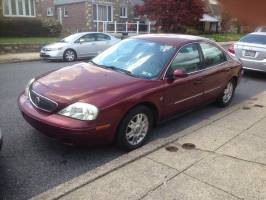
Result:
[[138, 57], [253, 38], [71, 38]]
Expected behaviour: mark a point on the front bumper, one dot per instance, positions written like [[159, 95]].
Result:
[[52, 55], [67, 130]]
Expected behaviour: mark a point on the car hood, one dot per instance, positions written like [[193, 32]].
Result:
[[57, 45], [87, 83]]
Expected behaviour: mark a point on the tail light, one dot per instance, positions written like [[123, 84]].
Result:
[[231, 49]]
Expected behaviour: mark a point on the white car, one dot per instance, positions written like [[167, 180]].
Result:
[[77, 46]]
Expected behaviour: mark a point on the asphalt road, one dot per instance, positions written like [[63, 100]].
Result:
[[30, 163]]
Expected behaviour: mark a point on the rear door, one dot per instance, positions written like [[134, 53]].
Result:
[[103, 41], [216, 70], [86, 45], [184, 93]]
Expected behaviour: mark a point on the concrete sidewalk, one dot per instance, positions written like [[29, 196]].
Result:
[[221, 158], [19, 57]]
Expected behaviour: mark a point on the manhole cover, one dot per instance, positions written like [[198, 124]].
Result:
[[171, 148], [188, 146], [258, 105]]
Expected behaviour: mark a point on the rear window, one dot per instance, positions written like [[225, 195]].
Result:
[[256, 39]]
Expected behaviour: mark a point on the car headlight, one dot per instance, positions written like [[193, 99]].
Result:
[[27, 89], [79, 110]]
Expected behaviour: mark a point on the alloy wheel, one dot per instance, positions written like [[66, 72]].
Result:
[[137, 129], [228, 92]]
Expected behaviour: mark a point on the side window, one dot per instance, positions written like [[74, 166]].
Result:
[[212, 54], [88, 38], [102, 37], [188, 59]]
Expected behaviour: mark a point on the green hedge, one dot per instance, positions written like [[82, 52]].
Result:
[[29, 27]]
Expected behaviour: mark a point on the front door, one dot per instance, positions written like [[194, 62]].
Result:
[[184, 93]]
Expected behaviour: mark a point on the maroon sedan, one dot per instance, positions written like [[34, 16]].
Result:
[[125, 91]]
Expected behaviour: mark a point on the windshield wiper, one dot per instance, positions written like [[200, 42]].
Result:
[[114, 68]]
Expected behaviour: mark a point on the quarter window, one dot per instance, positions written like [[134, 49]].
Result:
[[188, 59], [19, 8], [212, 54]]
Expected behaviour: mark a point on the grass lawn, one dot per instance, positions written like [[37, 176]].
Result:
[[224, 37], [27, 40]]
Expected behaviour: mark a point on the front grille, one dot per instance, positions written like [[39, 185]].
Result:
[[41, 102]]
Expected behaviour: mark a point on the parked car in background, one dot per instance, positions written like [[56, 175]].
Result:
[[1, 140], [251, 51], [77, 46], [125, 91], [260, 29]]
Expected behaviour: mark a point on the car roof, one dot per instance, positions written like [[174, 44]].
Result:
[[171, 39], [85, 33]]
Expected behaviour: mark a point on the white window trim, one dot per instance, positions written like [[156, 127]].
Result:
[[17, 9], [123, 16], [64, 12], [106, 5], [51, 13]]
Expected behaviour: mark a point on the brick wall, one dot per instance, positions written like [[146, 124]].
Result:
[[76, 19], [43, 5]]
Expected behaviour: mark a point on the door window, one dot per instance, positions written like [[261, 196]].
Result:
[[212, 55], [188, 59], [88, 38], [102, 37]]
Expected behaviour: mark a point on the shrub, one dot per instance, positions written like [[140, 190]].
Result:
[[30, 27]]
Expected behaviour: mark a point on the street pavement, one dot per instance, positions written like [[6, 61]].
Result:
[[30, 163]]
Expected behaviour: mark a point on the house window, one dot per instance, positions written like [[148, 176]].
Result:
[[65, 12], [19, 8], [102, 12], [50, 12], [123, 11]]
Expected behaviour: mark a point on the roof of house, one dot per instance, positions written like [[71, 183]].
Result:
[[208, 18], [63, 2]]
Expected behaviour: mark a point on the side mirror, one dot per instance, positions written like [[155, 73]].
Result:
[[81, 40], [179, 73]]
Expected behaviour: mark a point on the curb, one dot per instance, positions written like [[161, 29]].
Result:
[[76, 183], [18, 60]]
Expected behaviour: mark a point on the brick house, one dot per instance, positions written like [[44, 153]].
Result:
[[89, 15]]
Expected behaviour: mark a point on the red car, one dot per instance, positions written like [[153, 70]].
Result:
[[125, 91]]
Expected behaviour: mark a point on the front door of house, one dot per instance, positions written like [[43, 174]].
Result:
[[59, 15]]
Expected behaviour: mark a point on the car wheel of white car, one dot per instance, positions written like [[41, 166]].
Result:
[[69, 55]]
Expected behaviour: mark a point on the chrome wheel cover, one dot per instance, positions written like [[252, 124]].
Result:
[[70, 55], [137, 129], [228, 92]]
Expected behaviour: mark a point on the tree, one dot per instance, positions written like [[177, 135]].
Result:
[[173, 15]]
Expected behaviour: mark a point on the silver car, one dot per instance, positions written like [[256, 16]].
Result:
[[251, 51], [77, 46]]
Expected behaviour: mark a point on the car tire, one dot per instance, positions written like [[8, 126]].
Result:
[[228, 93], [135, 128], [69, 55]]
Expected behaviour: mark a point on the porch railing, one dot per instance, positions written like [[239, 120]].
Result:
[[115, 27]]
